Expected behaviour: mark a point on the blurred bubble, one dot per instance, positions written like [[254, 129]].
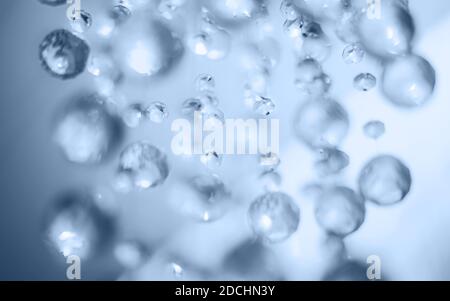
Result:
[[374, 129], [86, 132], [385, 181], [146, 46], [269, 160], [156, 112], [331, 162], [81, 23], [131, 254], [203, 198], [310, 79], [408, 81], [274, 216], [205, 83], [76, 226], [211, 159], [388, 33], [321, 123], [236, 10], [270, 180], [63, 54], [340, 211], [251, 261], [146, 164]]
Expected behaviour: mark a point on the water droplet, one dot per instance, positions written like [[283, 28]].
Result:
[[86, 132], [408, 81], [331, 162], [365, 82], [321, 123], [82, 22], [76, 226], [63, 54], [146, 47], [263, 106], [388, 34], [146, 164], [340, 211], [205, 83], [157, 112], [288, 10], [269, 160], [374, 129], [353, 54], [211, 160], [274, 216], [385, 181], [133, 115], [120, 14], [203, 198]]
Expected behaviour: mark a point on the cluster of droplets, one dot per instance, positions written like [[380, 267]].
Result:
[[205, 107], [211, 40], [87, 131]]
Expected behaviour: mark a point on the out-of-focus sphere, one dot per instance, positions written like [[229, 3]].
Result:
[[340, 211], [203, 198], [408, 81], [76, 226], [146, 47], [321, 123], [385, 181], [235, 10], [145, 163], [86, 132], [274, 216], [386, 31]]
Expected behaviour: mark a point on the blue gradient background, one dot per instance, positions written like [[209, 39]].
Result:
[[411, 238]]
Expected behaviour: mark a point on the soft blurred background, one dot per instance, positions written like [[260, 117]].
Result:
[[410, 238]]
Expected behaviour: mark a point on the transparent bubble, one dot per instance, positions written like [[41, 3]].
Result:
[[263, 106], [321, 123], [236, 10], [86, 132], [269, 160], [146, 47], [313, 43], [408, 81], [386, 31], [157, 112], [365, 82], [288, 10], [353, 54], [191, 105], [374, 129], [203, 198], [82, 22], [270, 180], [76, 226], [214, 43], [340, 211], [310, 79], [211, 159], [131, 254], [331, 162], [63, 54], [346, 27], [145, 163], [133, 115], [274, 216], [385, 181], [205, 83], [120, 14]]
